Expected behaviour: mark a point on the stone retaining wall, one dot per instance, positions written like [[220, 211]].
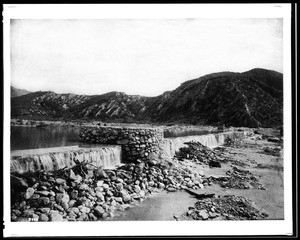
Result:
[[142, 143]]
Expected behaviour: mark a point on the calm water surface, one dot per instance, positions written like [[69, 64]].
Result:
[[32, 137]]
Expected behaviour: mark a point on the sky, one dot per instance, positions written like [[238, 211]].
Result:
[[137, 56]]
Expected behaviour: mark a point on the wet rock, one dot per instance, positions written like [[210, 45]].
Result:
[[43, 193], [99, 173], [72, 203], [84, 187], [92, 217], [45, 210], [190, 184], [90, 174], [137, 188], [58, 207], [42, 187], [203, 214], [60, 181], [35, 197], [74, 194], [55, 217], [142, 193], [109, 193], [83, 217], [135, 196], [99, 183], [171, 189], [119, 186], [153, 162], [62, 198], [51, 193], [16, 212], [84, 209], [75, 210], [72, 214], [151, 183], [65, 205], [105, 186], [213, 214], [118, 199], [44, 201], [29, 192], [100, 196], [119, 180], [99, 211], [43, 218]]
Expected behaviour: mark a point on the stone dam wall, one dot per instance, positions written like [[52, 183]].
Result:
[[136, 143], [49, 159], [148, 143], [121, 145]]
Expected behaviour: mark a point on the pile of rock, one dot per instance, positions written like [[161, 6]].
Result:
[[85, 194], [239, 179], [227, 207], [232, 142], [272, 151], [199, 153]]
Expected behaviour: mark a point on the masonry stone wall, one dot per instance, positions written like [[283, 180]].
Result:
[[141, 143]]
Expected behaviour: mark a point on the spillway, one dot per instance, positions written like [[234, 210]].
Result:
[[171, 145], [50, 159]]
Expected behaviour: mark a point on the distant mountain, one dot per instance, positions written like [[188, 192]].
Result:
[[253, 98], [15, 92]]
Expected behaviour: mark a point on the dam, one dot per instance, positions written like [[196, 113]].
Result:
[[51, 159], [118, 145]]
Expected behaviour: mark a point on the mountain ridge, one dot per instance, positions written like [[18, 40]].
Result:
[[16, 92], [253, 98]]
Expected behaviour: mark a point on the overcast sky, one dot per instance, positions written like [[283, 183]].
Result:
[[144, 57]]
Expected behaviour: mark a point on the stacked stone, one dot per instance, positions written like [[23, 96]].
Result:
[[96, 195], [137, 144]]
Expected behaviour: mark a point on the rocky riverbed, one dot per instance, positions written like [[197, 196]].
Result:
[[233, 176], [86, 193]]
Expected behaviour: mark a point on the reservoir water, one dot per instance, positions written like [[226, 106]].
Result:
[[32, 137]]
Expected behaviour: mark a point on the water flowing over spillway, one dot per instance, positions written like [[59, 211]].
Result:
[[171, 145], [50, 159]]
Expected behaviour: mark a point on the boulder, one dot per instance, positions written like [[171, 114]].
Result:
[[56, 217], [29, 192], [203, 214], [44, 201], [43, 218], [99, 211], [60, 181]]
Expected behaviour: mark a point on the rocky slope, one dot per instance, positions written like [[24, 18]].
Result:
[[252, 99], [15, 92]]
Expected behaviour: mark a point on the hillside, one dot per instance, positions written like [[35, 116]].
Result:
[[15, 92], [253, 98]]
